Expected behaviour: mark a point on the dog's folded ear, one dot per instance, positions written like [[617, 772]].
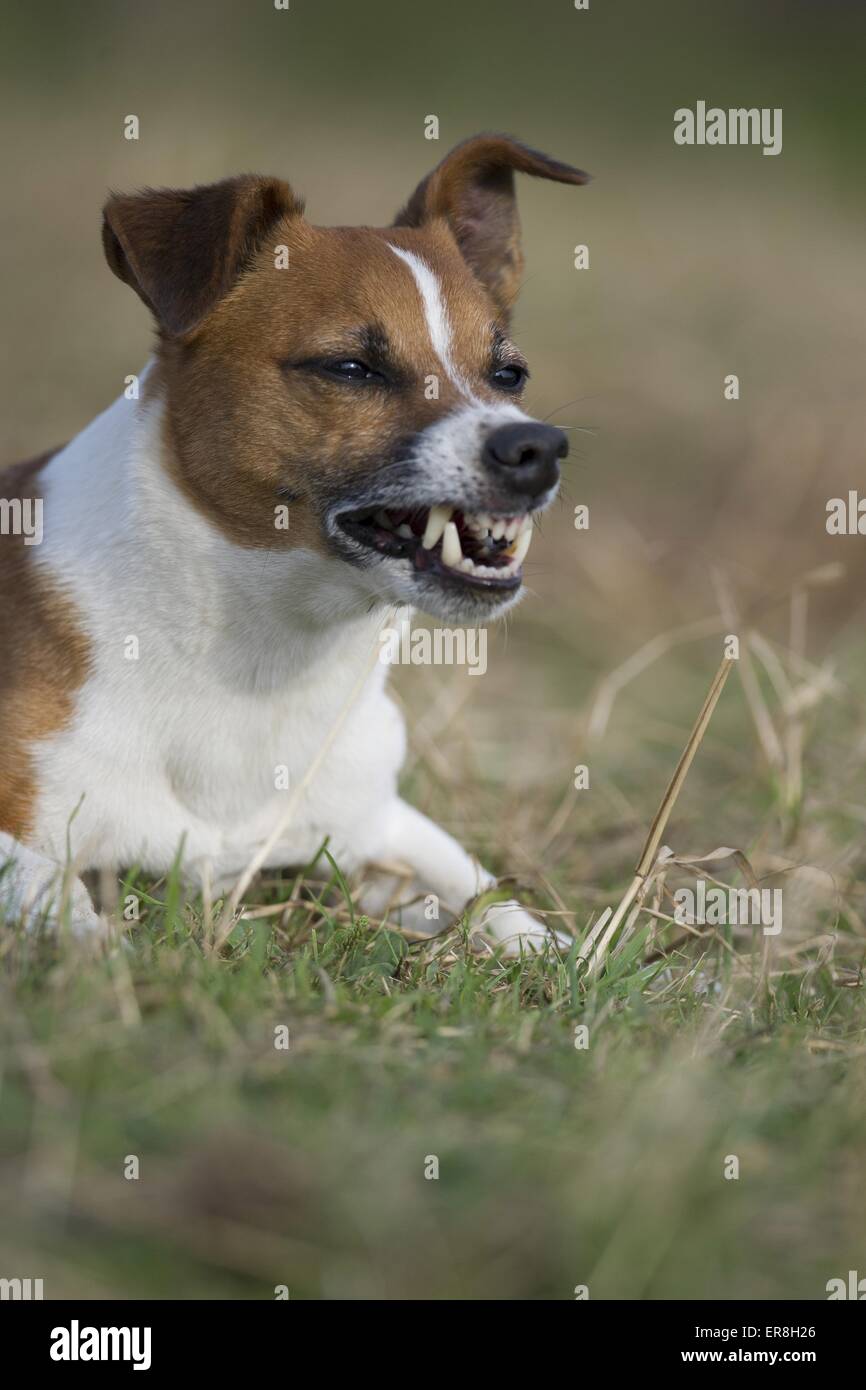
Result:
[[473, 191], [181, 250]]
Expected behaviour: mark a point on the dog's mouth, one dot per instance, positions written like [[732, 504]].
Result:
[[471, 548]]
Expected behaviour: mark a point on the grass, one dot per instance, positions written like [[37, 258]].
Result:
[[558, 1165], [582, 1120]]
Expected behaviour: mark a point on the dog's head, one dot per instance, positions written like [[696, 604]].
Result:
[[363, 379]]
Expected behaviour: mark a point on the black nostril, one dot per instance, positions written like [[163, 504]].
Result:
[[526, 455]]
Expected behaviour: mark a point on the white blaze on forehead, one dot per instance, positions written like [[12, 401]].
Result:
[[436, 315]]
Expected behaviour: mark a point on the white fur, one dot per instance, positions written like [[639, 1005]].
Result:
[[238, 673], [436, 316], [245, 660], [451, 451]]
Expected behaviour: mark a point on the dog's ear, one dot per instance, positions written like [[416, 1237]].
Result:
[[181, 250], [473, 190]]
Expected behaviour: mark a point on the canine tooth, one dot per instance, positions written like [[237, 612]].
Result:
[[451, 551], [524, 540], [436, 523]]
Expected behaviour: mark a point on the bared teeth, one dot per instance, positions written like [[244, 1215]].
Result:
[[452, 552], [524, 540], [437, 521], [484, 571], [480, 524], [513, 534]]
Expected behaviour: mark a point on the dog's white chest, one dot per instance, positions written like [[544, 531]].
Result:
[[209, 694], [218, 770]]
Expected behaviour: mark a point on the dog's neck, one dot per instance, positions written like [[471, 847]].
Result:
[[120, 530]]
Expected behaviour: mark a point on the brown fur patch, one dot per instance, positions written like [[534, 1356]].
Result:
[[43, 659], [473, 191], [181, 250]]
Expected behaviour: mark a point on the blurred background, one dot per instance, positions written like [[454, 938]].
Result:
[[707, 516], [703, 262]]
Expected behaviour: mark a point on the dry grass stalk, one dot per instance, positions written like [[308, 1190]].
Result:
[[652, 651], [594, 951], [764, 726]]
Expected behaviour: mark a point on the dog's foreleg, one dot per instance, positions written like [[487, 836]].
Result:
[[441, 866], [35, 891]]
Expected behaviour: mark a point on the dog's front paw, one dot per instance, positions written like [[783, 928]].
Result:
[[511, 927], [46, 911], [33, 896], [83, 919]]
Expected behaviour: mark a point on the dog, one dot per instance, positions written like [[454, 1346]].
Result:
[[329, 429]]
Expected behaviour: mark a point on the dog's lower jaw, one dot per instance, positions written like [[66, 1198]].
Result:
[[438, 601], [392, 584]]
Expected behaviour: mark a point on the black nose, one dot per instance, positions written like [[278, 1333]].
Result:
[[525, 457]]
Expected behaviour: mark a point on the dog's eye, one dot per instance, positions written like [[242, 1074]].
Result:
[[350, 369], [509, 378]]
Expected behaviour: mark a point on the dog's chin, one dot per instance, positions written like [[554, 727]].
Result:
[[440, 597], [460, 566]]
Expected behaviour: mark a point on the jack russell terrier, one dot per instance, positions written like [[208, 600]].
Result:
[[171, 641]]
